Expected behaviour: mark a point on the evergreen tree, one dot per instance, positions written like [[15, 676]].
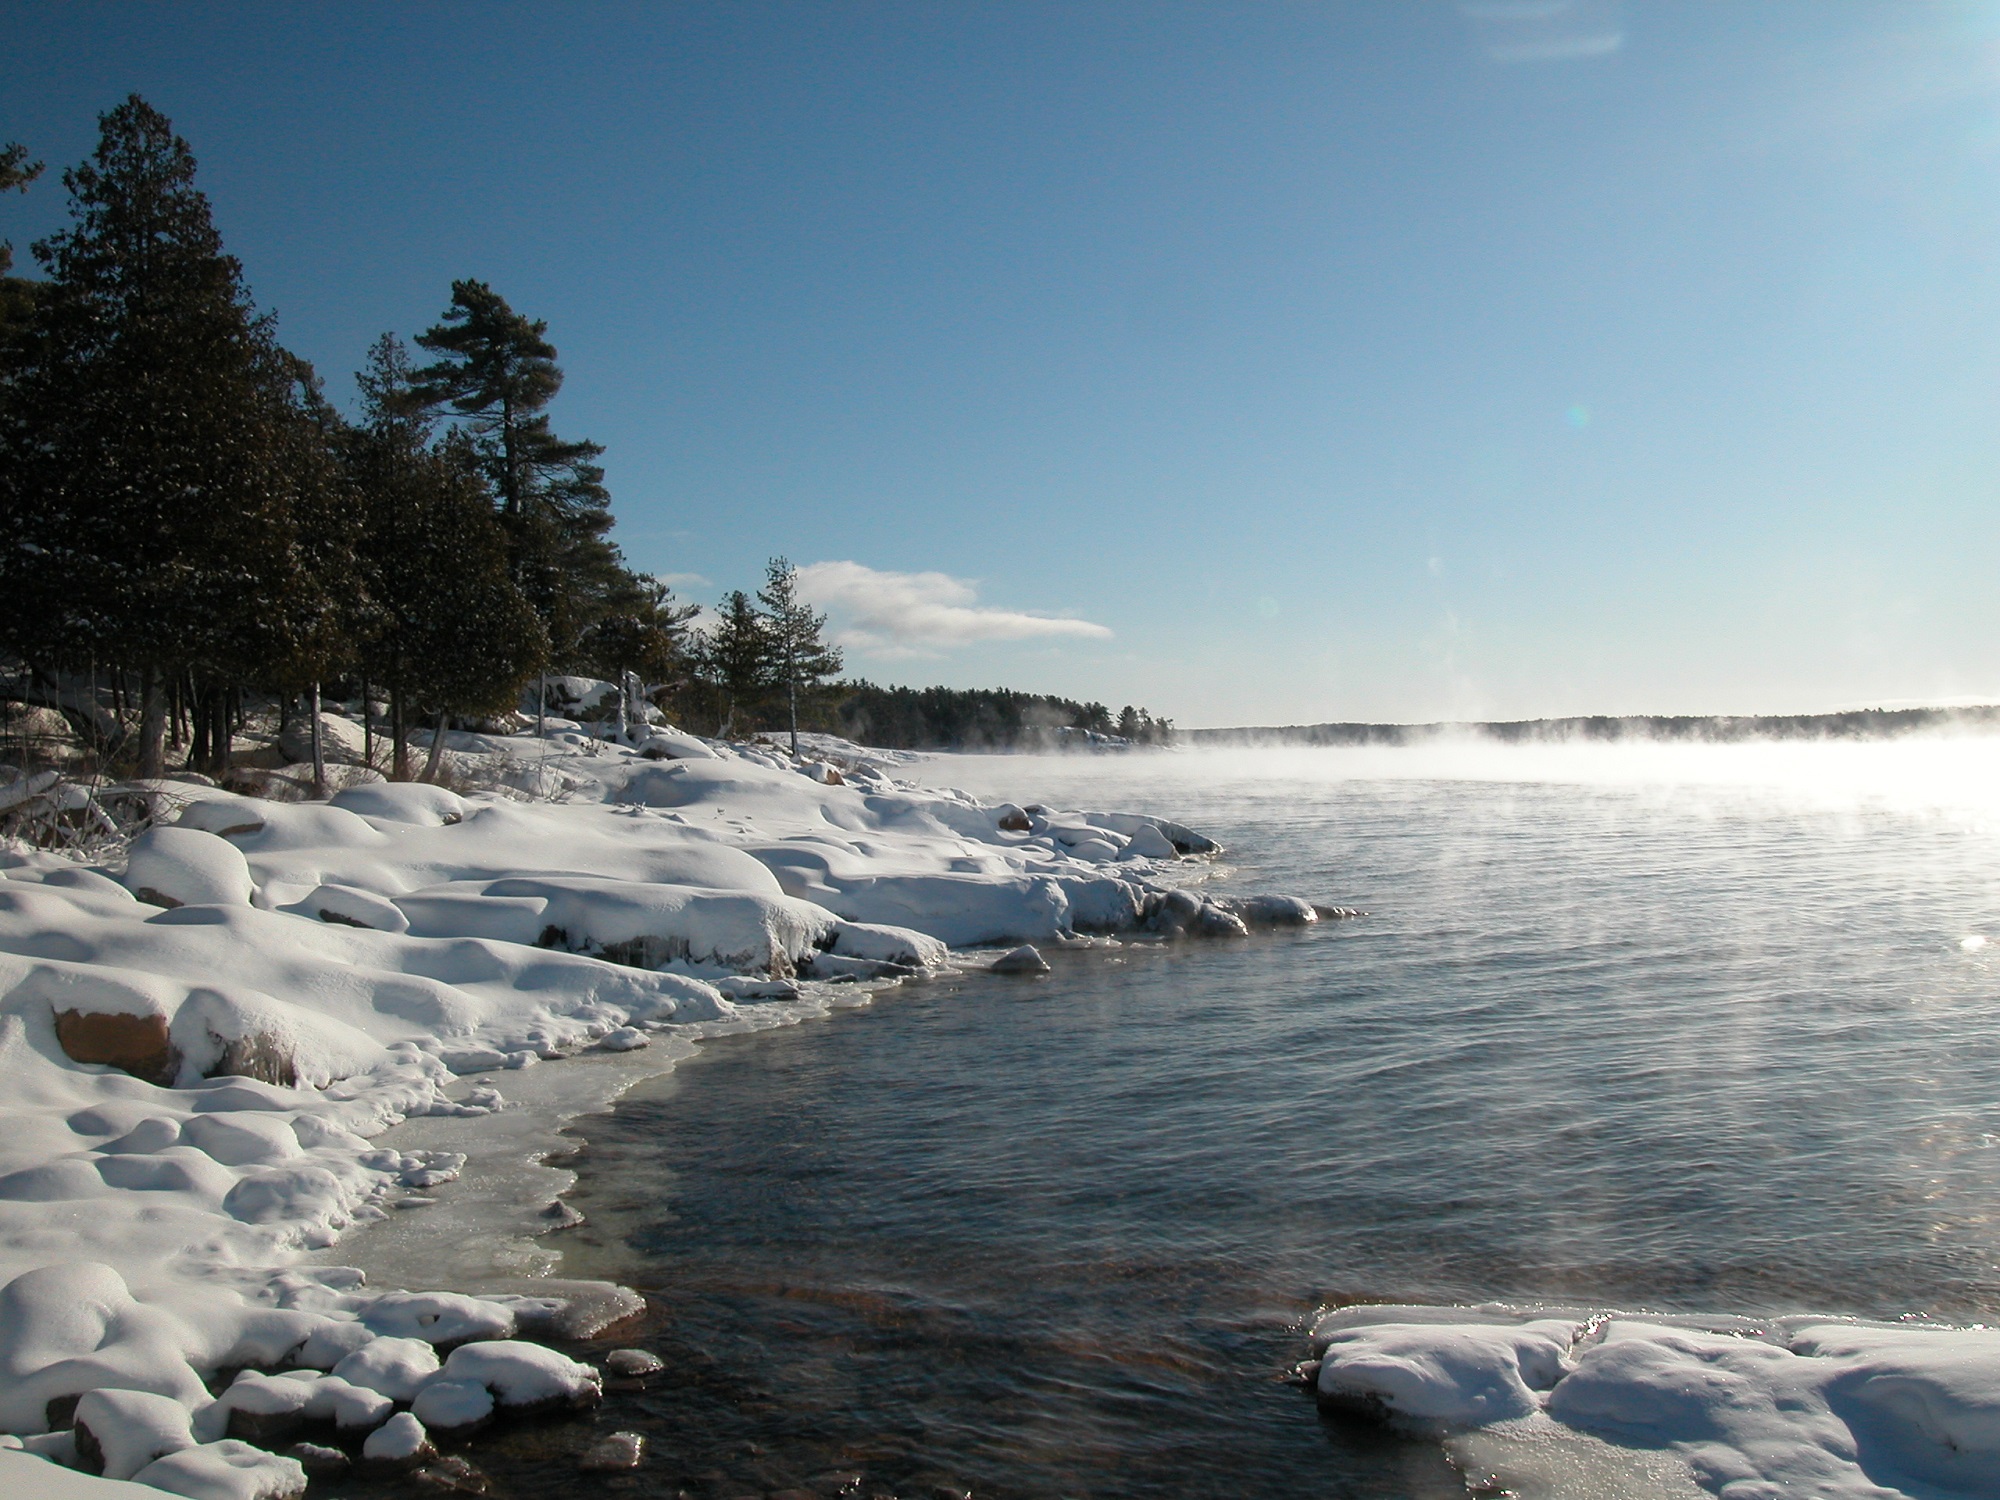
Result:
[[150, 460], [17, 293], [317, 608], [451, 632], [735, 654], [496, 372], [801, 658], [16, 172], [644, 630]]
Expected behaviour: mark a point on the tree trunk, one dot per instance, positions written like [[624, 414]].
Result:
[[542, 707], [367, 728], [792, 701], [197, 707], [319, 749], [437, 746], [152, 727], [399, 738]]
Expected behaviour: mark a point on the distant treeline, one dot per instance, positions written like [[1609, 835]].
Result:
[[941, 718], [1859, 724]]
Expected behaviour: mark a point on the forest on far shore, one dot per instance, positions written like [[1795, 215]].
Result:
[[199, 536]]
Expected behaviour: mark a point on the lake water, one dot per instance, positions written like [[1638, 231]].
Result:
[[1701, 1029]]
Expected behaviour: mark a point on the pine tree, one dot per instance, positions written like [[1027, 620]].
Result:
[[496, 372], [735, 654], [16, 172], [317, 607], [644, 630], [801, 658], [152, 455], [450, 630], [17, 293]]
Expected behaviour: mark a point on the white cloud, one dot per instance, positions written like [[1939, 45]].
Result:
[[1532, 31], [922, 614]]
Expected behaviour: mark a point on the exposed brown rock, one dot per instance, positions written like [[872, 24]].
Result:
[[138, 1045]]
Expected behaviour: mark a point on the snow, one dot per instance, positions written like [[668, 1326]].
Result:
[[395, 1367], [1741, 1408], [131, 1428], [227, 1470], [187, 867], [26, 1477], [453, 1405], [401, 1439], [522, 1374], [193, 1083]]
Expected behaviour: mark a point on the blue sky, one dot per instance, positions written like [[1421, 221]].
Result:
[[1314, 361]]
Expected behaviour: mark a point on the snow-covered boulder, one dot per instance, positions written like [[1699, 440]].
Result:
[[400, 1442], [182, 866], [523, 1377], [413, 802], [453, 1405], [889, 945], [355, 908], [222, 813], [440, 1319], [395, 1367], [341, 740], [266, 1409], [227, 1470], [668, 744], [651, 925], [119, 1432], [75, 1327], [1462, 1375], [245, 1034], [115, 1017]]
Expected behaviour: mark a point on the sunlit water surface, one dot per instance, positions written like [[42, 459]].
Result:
[[1700, 1028]]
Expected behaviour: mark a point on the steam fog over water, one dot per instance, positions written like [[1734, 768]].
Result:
[[1699, 1028]]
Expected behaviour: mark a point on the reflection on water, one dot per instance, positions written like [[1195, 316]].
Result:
[[1705, 1040]]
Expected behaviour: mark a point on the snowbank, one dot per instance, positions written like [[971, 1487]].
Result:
[[198, 1046], [1747, 1409]]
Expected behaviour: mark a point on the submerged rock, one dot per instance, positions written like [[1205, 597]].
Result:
[[633, 1364], [613, 1453]]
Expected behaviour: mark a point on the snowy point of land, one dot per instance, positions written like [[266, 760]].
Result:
[[1569, 1402], [202, 1041]]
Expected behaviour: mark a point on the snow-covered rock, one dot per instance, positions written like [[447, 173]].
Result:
[[401, 1441], [453, 1405], [74, 1327], [415, 803], [119, 1432], [524, 1377], [394, 1367], [1837, 1408], [180, 866], [341, 740], [666, 744], [225, 1470]]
